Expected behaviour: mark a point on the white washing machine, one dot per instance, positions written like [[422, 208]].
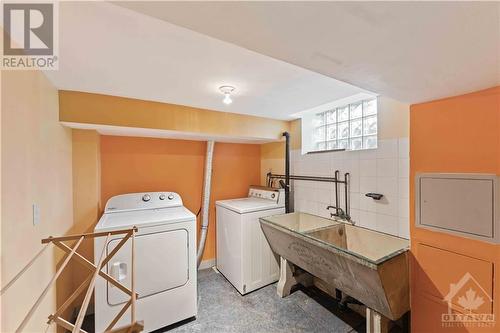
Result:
[[165, 260], [243, 253]]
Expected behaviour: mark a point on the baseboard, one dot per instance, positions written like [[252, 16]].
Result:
[[207, 264]]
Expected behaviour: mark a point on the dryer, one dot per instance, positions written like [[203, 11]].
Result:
[[165, 260], [244, 256]]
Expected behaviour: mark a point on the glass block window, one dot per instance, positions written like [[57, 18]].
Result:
[[350, 127]]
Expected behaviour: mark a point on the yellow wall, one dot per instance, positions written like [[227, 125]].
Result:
[[36, 168], [296, 134], [86, 195], [86, 179], [80, 107], [393, 119], [273, 153], [271, 159]]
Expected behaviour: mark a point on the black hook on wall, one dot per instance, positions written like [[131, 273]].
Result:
[[374, 196]]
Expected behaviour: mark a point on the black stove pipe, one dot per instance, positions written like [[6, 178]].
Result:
[[287, 171]]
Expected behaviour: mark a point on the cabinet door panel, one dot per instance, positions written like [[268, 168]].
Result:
[[443, 274]]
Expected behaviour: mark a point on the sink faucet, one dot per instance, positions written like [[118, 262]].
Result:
[[339, 212]]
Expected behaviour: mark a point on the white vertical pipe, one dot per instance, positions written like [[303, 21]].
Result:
[[207, 184]]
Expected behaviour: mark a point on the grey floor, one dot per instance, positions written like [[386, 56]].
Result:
[[222, 309]]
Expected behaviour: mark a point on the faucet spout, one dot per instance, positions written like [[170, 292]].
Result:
[[339, 212]]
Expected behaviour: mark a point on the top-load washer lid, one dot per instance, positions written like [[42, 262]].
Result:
[[143, 209], [248, 205]]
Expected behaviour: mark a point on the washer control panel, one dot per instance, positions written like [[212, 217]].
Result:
[[268, 193], [138, 201]]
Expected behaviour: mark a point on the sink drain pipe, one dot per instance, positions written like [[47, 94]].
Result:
[[207, 185]]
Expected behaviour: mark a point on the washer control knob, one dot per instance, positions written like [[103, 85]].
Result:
[[162, 196], [146, 197], [170, 197]]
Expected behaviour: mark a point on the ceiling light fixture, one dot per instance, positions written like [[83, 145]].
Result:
[[227, 90]]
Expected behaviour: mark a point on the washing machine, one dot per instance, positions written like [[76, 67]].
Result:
[[243, 253], [165, 256]]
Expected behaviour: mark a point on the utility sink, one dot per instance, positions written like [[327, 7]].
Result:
[[367, 265], [372, 246]]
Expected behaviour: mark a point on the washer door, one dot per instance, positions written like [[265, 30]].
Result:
[[161, 264]]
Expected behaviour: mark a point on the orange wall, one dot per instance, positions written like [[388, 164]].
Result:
[[130, 164], [458, 134]]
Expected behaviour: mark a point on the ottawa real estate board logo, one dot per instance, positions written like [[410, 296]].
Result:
[[30, 39], [469, 305]]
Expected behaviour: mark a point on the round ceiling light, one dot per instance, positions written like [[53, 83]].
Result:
[[227, 90]]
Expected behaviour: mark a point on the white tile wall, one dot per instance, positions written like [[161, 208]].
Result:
[[383, 170]]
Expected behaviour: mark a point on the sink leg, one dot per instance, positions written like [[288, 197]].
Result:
[[290, 276], [375, 322], [287, 280]]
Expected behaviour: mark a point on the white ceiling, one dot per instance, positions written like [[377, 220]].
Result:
[[409, 51], [108, 49]]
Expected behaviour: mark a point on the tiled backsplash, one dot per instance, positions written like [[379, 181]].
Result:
[[383, 170]]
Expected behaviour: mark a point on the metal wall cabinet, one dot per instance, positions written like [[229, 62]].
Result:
[[460, 204]]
